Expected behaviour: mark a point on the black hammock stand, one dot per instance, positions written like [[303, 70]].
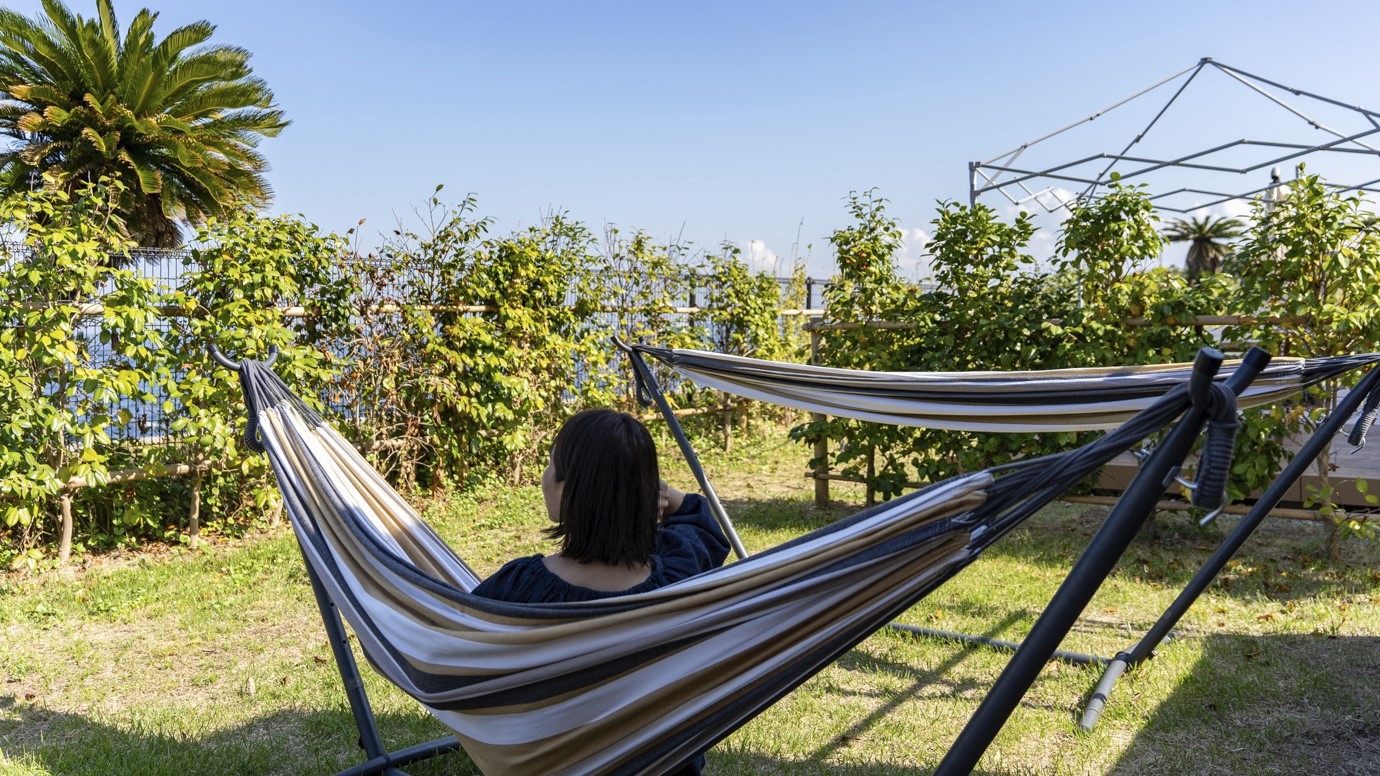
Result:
[[1137, 502]]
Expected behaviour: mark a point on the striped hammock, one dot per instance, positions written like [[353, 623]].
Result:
[[634, 684], [1052, 400]]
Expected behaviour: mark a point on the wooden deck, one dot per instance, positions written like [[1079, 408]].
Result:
[[1346, 467]]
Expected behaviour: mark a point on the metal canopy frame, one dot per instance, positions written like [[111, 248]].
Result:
[[1088, 175]]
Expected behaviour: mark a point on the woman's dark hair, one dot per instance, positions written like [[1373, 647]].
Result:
[[610, 497]]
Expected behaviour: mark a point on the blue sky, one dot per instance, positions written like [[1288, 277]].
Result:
[[747, 122]]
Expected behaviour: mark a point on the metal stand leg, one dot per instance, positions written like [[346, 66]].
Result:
[[1097, 561], [650, 392], [380, 761], [1159, 632]]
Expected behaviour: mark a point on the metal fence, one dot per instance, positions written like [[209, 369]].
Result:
[[149, 424]]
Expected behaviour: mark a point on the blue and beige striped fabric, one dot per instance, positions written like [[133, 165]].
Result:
[[1051, 400], [636, 684]]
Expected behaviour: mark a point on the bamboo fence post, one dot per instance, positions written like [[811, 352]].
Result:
[[728, 422], [821, 471], [871, 476]]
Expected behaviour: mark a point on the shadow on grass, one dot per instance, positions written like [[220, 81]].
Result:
[[1281, 560], [941, 674], [285, 742], [1265, 705], [1251, 704]]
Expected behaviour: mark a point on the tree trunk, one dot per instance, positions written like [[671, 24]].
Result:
[[194, 515], [822, 468], [1328, 509], [65, 541]]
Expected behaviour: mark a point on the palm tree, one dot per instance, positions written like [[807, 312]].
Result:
[[1207, 238], [175, 122]]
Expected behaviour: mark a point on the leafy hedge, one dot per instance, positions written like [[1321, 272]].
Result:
[[1305, 277], [452, 354], [449, 355]]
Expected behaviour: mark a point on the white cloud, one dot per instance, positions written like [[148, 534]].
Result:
[[912, 260], [760, 258], [1048, 218], [1042, 245], [1053, 201], [1235, 208]]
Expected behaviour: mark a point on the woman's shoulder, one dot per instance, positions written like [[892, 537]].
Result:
[[529, 580], [514, 580]]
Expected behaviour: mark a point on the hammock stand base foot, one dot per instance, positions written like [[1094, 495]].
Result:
[[387, 764], [1162, 631], [1092, 568]]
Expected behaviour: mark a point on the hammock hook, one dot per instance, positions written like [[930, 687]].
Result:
[[644, 395], [1213, 515], [1357, 436], [251, 431], [234, 366], [1214, 462]]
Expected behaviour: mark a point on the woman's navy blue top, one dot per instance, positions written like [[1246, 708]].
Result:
[[688, 542]]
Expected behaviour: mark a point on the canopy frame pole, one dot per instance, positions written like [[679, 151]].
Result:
[[1096, 563], [1160, 631]]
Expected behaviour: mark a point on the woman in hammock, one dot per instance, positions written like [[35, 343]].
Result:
[[621, 528]]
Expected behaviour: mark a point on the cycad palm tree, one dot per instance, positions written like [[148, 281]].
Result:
[[174, 121], [1208, 242]]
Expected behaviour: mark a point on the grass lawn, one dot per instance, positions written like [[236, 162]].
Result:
[[213, 661]]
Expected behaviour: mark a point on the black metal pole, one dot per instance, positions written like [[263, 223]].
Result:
[[369, 739], [647, 382], [1097, 561], [380, 761], [1158, 632]]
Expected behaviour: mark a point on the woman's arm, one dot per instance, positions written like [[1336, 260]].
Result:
[[670, 499], [690, 540]]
